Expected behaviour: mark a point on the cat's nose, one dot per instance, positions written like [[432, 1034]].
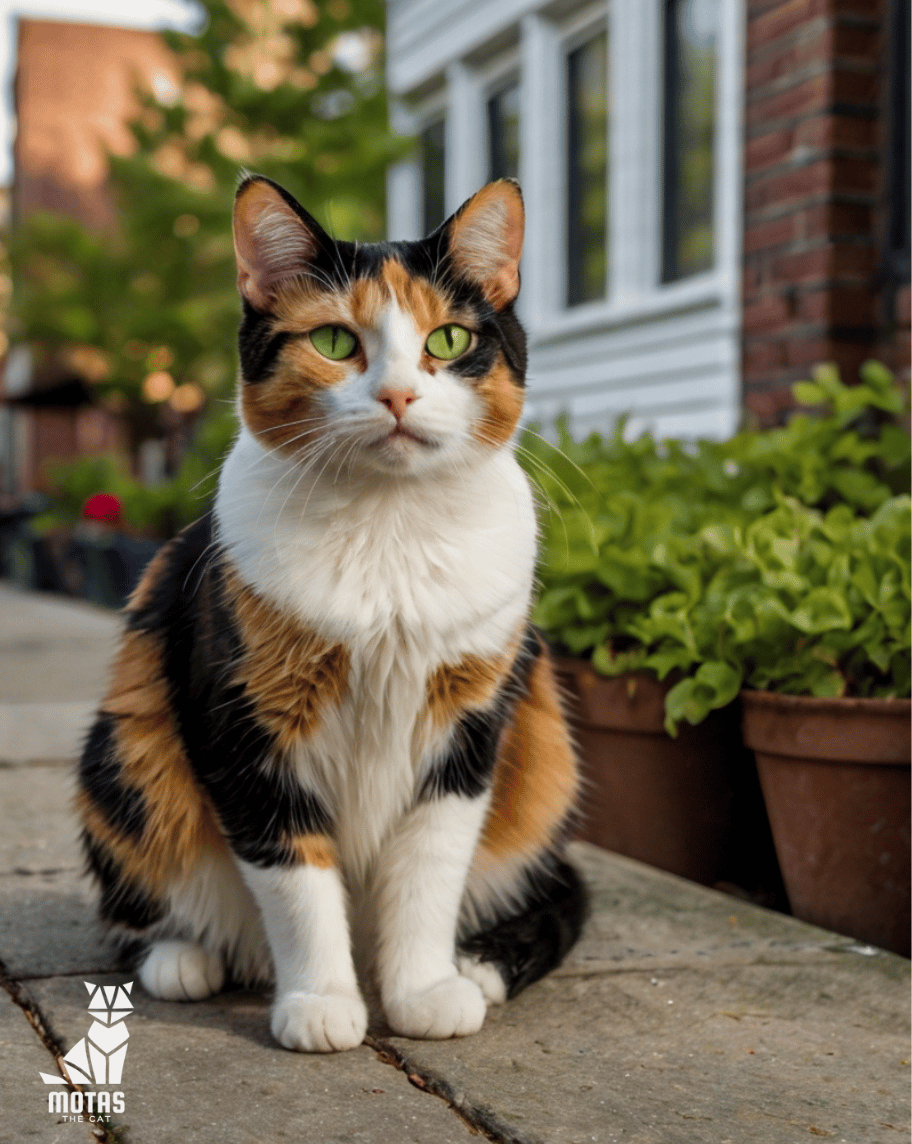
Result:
[[396, 400]]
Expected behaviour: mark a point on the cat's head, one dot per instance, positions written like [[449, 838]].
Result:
[[396, 357]]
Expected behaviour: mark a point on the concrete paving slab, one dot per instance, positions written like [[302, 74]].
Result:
[[23, 1095], [47, 908], [53, 649], [38, 835], [48, 926], [686, 1016], [44, 731], [211, 1072]]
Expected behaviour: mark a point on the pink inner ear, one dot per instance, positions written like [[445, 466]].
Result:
[[271, 243], [486, 241]]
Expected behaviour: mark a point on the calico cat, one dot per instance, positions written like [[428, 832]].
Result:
[[333, 737]]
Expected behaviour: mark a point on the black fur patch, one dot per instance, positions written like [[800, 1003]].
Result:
[[468, 765], [259, 803], [527, 944], [100, 776], [122, 902]]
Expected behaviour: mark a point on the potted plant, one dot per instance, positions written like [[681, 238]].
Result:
[[818, 617], [626, 562], [665, 562]]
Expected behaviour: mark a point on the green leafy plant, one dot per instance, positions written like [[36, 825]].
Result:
[[748, 562]]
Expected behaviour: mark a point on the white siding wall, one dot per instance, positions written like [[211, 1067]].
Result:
[[668, 355]]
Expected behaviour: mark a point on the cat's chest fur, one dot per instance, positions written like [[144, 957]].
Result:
[[409, 578]]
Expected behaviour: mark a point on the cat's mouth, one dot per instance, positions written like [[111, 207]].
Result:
[[400, 437]]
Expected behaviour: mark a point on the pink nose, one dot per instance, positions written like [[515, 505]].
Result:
[[396, 400]]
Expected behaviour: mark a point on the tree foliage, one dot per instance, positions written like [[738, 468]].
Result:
[[148, 314]]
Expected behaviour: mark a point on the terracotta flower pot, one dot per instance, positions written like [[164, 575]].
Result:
[[683, 804], [835, 777]]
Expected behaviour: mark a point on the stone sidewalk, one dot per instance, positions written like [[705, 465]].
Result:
[[682, 1016]]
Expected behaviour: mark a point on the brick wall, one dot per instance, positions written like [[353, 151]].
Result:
[[814, 195]]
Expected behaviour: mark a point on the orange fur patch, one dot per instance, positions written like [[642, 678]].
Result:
[[503, 403], [315, 850], [535, 777], [471, 683], [289, 673], [180, 823]]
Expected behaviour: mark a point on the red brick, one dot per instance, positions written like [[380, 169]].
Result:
[[853, 260], [806, 352], [838, 305], [750, 280], [803, 98], [768, 235], [770, 63], [766, 313], [783, 19], [849, 42], [766, 150], [854, 175], [823, 220], [831, 261], [856, 87], [790, 186], [850, 132], [902, 307], [769, 404], [805, 266], [762, 358]]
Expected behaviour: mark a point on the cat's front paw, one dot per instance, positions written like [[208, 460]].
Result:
[[181, 971], [318, 1023], [454, 1007]]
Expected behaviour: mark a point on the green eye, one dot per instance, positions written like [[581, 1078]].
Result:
[[334, 342], [448, 342]]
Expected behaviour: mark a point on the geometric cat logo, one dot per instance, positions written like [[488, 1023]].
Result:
[[99, 1057]]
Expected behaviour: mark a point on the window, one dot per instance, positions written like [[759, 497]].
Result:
[[688, 240], [503, 133], [587, 170], [433, 172]]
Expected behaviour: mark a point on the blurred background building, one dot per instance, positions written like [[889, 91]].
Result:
[[717, 195], [717, 191], [75, 92]]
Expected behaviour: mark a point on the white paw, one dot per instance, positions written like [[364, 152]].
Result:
[[318, 1023], [453, 1007], [181, 971], [486, 976]]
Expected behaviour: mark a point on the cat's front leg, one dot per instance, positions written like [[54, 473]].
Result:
[[419, 891], [317, 1007]]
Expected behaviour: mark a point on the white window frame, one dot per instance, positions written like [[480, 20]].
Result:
[[634, 290]]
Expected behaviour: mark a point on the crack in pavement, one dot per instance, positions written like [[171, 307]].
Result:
[[109, 1133], [478, 1118]]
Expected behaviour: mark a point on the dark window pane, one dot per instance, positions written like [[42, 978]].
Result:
[[587, 174], [433, 172], [503, 134], [688, 244]]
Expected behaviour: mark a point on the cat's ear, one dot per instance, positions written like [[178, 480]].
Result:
[[485, 240], [274, 239]]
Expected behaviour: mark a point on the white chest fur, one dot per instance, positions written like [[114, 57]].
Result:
[[407, 573]]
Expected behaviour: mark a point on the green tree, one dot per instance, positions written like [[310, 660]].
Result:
[[289, 88]]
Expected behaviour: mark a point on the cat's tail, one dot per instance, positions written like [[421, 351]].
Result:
[[527, 940]]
